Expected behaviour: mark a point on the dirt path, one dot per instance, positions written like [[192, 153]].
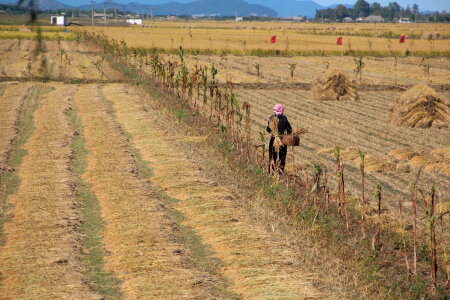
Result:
[[259, 264], [40, 259], [10, 104], [139, 233]]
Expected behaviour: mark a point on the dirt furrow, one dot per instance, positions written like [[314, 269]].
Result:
[[139, 233], [10, 103], [259, 264], [41, 257]]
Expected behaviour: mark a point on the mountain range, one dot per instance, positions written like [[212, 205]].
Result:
[[197, 7], [269, 8]]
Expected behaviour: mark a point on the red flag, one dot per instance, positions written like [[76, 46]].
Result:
[[402, 39], [339, 40], [273, 39]]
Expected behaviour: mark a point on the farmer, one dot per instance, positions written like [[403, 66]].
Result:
[[283, 128]]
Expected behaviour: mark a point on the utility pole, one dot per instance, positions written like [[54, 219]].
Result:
[[322, 17], [92, 3], [115, 14], [104, 12], [152, 15]]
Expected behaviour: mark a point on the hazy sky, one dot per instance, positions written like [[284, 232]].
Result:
[[423, 4]]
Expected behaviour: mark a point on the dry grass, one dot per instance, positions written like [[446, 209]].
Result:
[[23, 60], [420, 107], [403, 153], [334, 85], [359, 29], [246, 39], [377, 70], [40, 259], [139, 233], [258, 264], [10, 103], [6, 33], [373, 163]]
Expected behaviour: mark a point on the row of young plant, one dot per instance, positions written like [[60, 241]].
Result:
[[309, 189]]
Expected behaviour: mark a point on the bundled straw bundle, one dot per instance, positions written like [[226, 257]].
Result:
[[420, 107], [430, 36], [334, 85], [273, 125]]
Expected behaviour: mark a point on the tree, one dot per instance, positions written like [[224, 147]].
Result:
[[341, 12], [375, 8], [361, 9], [394, 9]]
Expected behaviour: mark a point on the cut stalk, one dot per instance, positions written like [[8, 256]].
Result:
[[405, 252]]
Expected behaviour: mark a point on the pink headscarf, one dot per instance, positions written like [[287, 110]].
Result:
[[278, 109]]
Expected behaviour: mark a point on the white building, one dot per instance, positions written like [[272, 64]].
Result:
[[374, 19], [58, 20], [239, 19], [134, 21]]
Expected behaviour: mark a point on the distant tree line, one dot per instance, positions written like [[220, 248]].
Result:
[[389, 12], [14, 9]]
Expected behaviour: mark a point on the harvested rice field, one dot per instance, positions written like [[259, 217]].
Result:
[[362, 124], [117, 184], [276, 70], [52, 60], [95, 205], [292, 37]]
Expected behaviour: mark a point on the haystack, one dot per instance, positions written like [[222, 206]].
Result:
[[349, 153], [423, 160], [334, 85], [374, 163], [402, 154], [430, 36], [442, 153], [421, 107], [442, 168]]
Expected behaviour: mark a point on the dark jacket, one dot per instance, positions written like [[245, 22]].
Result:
[[283, 125]]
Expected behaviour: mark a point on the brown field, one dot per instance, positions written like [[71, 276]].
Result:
[[103, 196], [63, 60], [303, 38], [160, 240], [358, 125], [275, 70]]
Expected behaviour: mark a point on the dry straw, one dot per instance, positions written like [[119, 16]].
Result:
[[420, 107], [273, 125], [334, 85]]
